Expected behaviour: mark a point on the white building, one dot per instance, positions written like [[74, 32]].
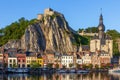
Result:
[[66, 60], [12, 61]]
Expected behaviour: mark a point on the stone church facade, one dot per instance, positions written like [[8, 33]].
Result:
[[101, 42]]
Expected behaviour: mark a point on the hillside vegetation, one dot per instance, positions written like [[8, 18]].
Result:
[[15, 30], [115, 35]]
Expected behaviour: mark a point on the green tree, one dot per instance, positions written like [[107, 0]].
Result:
[[80, 30], [90, 66], [71, 65], [114, 35], [34, 64], [96, 66], [14, 65], [91, 30], [57, 66], [80, 40], [77, 66], [84, 66], [64, 67], [50, 65]]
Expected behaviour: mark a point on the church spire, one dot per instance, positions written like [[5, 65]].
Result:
[[101, 27], [101, 19]]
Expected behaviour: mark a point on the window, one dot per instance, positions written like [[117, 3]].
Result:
[[18, 60], [23, 60], [10, 65], [19, 65], [40, 61], [14, 60], [23, 65], [28, 65], [10, 60]]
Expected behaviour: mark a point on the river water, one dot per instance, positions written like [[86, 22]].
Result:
[[56, 76]]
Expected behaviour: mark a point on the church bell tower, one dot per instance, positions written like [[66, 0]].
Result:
[[101, 28]]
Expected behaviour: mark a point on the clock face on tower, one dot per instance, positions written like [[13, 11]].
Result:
[[100, 28]]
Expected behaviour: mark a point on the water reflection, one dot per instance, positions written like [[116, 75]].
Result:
[[90, 76]]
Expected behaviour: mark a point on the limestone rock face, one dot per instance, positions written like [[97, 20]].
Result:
[[51, 33]]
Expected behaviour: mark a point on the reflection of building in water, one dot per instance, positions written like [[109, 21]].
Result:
[[114, 75], [17, 77], [1, 77], [68, 77], [91, 76]]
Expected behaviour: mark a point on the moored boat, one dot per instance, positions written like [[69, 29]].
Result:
[[114, 70], [82, 71], [72, 71], [17, 70], [62, 71]]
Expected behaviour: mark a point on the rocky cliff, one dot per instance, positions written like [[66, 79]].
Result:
[[50, 33]]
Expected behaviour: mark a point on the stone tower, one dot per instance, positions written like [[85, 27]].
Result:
[[102, 42], [101, 28]]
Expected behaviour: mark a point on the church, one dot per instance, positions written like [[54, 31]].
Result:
[[102, 41]]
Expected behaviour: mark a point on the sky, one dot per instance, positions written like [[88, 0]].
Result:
[[78, 13]]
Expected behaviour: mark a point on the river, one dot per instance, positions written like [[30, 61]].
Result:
[[56, 76]]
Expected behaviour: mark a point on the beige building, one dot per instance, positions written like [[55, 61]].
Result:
[[1, 60], [104, 57], [87, 58], [102, 42], [30, 58], [95, 59]]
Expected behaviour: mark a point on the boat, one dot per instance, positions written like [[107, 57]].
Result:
[[62, 71], [18, 70], [114, 70], [82, 71], [72, 71]]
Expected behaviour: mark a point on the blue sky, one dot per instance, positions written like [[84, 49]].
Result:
[[78, 13]]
